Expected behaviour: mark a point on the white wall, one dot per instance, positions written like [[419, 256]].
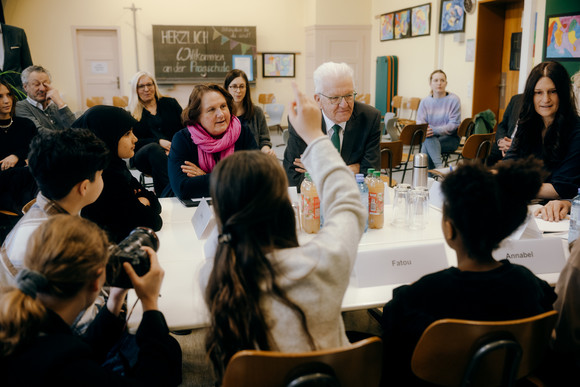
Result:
[[48, 25], [419, 56], [280, 27]]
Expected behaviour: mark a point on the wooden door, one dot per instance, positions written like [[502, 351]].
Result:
[[98, 64], [496, 21], [512, 33]]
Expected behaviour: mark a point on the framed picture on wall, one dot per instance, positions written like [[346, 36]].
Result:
[[421, 20], [244, 63], [278, 65], [387, 26], [452, 16], [559, 29], [403, 24]]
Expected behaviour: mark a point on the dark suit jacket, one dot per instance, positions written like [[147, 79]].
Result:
[[360, 144], [16, 52]]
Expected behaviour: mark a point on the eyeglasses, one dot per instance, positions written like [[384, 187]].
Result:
[[237, 87], [349, 98], [147, 85]]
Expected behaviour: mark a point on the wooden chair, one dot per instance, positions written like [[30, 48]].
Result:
[[478, 146], [121, 102], [365, 98], [464, 131], [410, 104], [391, 157], [356, 365], [455, 352], [412, 135], [93, 101], [265, 99]]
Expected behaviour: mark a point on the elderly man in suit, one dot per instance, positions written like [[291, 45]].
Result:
[[352, 126], [43, 104], [15, 54]]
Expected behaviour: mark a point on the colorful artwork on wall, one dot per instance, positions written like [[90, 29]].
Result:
[[563, 37]]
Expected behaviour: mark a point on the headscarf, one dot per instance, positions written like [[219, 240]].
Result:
[[208, 145], [109, 123]]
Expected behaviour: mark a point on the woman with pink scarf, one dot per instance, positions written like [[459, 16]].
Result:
[[212, 133]]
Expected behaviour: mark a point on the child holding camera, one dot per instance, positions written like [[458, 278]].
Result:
[[64, 272]]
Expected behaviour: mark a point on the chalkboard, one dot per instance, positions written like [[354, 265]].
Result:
[[186, 54]]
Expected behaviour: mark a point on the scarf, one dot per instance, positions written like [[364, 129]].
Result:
[[208, 145]]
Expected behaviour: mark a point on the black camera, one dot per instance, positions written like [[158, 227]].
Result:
[[129, 250]]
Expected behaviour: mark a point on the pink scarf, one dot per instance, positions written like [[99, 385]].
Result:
[[208, 145]]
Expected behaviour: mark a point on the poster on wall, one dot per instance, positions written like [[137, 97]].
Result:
[[387, 26], [421, 20], [563, 37], [452, 17], [403, 24]]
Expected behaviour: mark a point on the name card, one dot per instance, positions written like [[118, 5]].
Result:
[[398, 265], [203, 220], [541, 256]]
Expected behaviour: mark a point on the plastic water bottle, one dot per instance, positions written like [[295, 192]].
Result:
[[364, 195], [574, 219]]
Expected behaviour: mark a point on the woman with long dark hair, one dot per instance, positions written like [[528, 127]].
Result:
[[266, 291], [237, 84], [17, 187], [549, 129]]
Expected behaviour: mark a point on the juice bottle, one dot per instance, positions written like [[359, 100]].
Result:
[[376, 201], [310, 214]]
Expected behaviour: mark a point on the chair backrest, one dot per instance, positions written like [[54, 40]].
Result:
[[397, 102], [275, 112], [447, 347], [93, 101], [391, 151], [366, 98], [478, 146], [355, 365], [391, 157], [413, 105], [266, 98], [464, 128], [413, 134], [120, 101]]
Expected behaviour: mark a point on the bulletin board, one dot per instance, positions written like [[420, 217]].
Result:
[[192, 54]]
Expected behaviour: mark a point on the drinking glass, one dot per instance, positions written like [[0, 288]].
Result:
[[401, 205], [418, 208]]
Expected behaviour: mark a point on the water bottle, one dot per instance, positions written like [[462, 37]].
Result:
[[364, 196], [420, 165], [574, 219]]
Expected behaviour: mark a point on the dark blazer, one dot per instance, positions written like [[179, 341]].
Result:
[[16, 52], [184, 149], [360, 144]]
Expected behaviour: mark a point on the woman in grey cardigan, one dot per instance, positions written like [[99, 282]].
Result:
[[250, 115]]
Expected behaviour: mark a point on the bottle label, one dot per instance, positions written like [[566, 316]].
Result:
[[310, 207], [376, 203]]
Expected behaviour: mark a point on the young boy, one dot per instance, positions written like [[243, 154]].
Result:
[[67, 166]]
